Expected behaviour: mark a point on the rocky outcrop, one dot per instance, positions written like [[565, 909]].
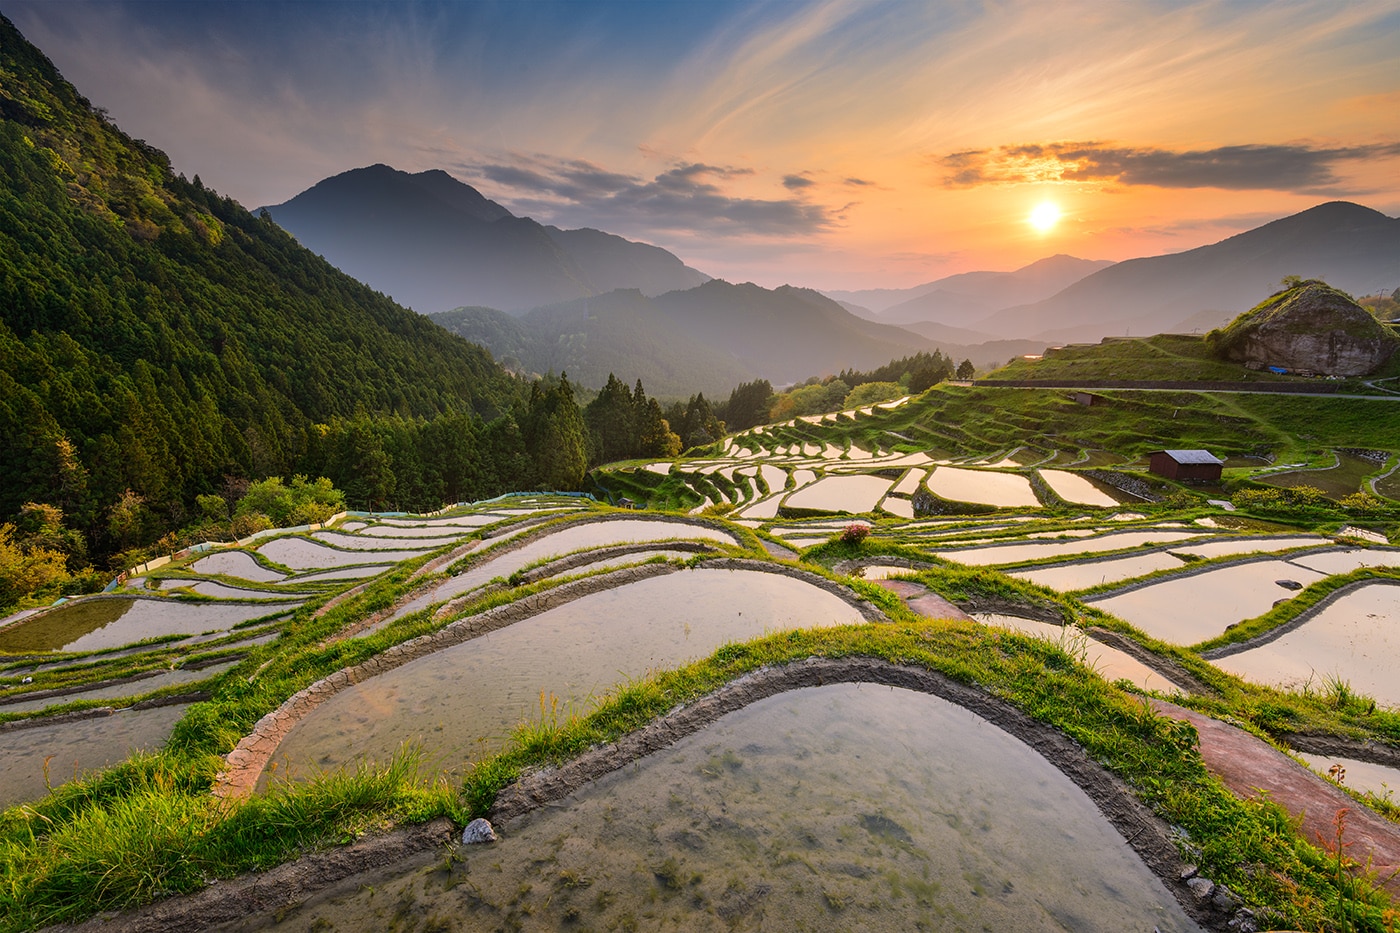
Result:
[[1310, 327]]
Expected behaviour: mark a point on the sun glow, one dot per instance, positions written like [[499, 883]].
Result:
[[1044, 217]]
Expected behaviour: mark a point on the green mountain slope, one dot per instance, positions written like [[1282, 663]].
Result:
[[156, 337]]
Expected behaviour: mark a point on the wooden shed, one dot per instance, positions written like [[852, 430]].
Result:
[[1187, 466]]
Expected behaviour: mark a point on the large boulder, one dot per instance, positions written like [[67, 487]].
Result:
[[1310, 327]]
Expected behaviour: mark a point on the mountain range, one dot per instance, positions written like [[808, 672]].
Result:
[[434, 243], [591, 303], [969, 294], [708, 338], [1351, 247]]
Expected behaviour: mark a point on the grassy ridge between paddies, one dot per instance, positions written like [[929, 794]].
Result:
[[150, 828], [964, 420]]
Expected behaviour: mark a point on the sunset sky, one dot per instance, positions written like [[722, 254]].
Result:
[[829, 144]]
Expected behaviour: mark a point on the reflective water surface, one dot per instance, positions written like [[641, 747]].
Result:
[[1187, 610], [74, 747], [850, 807], [464, 700], [1006, 490], [1355, 640], [96, 623]]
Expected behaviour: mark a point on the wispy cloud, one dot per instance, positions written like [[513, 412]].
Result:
[[1240, 168], [689, 196]]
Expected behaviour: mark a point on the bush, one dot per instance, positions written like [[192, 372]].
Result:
[[855, 533]]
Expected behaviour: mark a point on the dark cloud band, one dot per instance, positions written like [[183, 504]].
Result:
[[1239, 168], [688, 196]]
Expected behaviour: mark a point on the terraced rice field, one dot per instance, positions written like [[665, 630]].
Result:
[[460, 629]]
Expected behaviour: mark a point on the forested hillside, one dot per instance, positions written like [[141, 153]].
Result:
[[157, 341]]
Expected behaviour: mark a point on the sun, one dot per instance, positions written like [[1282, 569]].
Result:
[[1045, 216]]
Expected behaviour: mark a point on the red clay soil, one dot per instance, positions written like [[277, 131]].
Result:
[[923, 600], [1251, 767]]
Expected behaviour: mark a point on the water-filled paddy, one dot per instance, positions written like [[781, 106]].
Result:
[[93, 624], [239, 564], [1345, 561], [1072, 487], [564, 541], [305, 554], [1187, 610], [1245, 545], [1025, 551], [76, 747], [464, 700], [1004, 490], [343, 573], [1355, 638], [1358, 775], [909, 483], [220, 591], [1091, 573], [439, 525], [852, 807], [840, 494], [636, 557], [373, 543], [113, 691], [896, 506]]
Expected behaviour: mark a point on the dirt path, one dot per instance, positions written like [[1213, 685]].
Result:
[[1251, 768]]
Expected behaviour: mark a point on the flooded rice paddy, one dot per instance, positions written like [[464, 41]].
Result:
[[306, 554], [857, 493], [1077, 489], [239, 564], [1358, 775], [75, 747], [565, 541], [1354, 639], [1190, 609], [117, 691], [1069, 577], [1019, 551], [1004, 490], [97, 623], [848, 806], [464, 701]]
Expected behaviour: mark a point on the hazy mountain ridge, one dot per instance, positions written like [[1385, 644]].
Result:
[[707, 338], [618, 333], [1349, 246], [942, 300], [434, 243]]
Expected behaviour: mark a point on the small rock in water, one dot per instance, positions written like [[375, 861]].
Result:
[[1289, 584], [478, 830]]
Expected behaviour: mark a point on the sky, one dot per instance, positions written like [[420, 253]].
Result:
[[834, 144]]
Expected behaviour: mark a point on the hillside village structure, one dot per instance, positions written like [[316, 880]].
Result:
[[1187, 466]]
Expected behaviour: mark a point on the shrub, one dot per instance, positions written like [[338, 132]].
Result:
[[855, 533]]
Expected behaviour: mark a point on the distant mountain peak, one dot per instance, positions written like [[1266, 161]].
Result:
[[434, 242]]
